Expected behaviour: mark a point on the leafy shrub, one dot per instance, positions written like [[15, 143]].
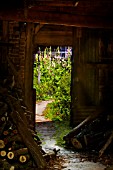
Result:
[[54, 84]]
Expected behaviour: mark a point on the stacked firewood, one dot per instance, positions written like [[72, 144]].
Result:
[[14, 153], [95, 133], [19, 144]]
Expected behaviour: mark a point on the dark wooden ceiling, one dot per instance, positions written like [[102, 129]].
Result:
[[81, 13], [78, 7]]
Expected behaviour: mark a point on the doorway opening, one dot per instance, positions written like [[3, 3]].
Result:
[[52, 81]]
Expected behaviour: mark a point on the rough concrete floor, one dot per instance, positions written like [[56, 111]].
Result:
[[71, 159]]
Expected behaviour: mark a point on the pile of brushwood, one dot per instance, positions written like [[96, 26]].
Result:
[[95, 133]]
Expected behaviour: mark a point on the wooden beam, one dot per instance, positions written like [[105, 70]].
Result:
[[56, 3], [54, 38], [37, 28], [43, 17], [29, 67]]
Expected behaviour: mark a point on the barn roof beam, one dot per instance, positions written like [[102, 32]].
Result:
[[43, 17], [60, 3]]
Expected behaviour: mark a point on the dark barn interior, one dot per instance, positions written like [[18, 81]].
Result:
[[86, 26]]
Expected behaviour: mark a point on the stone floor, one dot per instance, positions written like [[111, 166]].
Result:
[[72, 160]]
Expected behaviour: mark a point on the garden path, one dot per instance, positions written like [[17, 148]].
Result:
[[40, 107]]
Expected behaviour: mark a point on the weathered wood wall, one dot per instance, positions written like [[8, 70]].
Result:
[[106, 70], [92, 82]]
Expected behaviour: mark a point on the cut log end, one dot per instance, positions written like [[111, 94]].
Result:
[[76, 143], [10, 155], [3, 153], [24, 158]]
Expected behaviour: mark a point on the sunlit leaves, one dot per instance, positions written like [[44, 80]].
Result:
[[55, 80]]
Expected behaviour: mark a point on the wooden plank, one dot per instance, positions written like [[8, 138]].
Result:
[[53, 38], [34, 149], [110, 139], [58, 3], [55, 33], [74, 77], [43, 17]]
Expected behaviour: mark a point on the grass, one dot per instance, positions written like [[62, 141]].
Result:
[[62, 128]]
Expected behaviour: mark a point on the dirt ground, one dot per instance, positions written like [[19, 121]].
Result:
[[66, 159], [40, 107]]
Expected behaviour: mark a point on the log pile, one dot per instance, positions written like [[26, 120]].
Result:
[[19, 144], [95, 133]]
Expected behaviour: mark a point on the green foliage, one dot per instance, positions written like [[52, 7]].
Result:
[[54, 84], [62, 129]]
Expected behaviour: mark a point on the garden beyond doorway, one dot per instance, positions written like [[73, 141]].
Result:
[[52, 80]]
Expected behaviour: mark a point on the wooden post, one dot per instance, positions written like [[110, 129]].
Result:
[[3, 49], [29, 67], [74, 76]]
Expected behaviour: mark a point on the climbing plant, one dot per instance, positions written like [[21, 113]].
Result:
[[52, 79]]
